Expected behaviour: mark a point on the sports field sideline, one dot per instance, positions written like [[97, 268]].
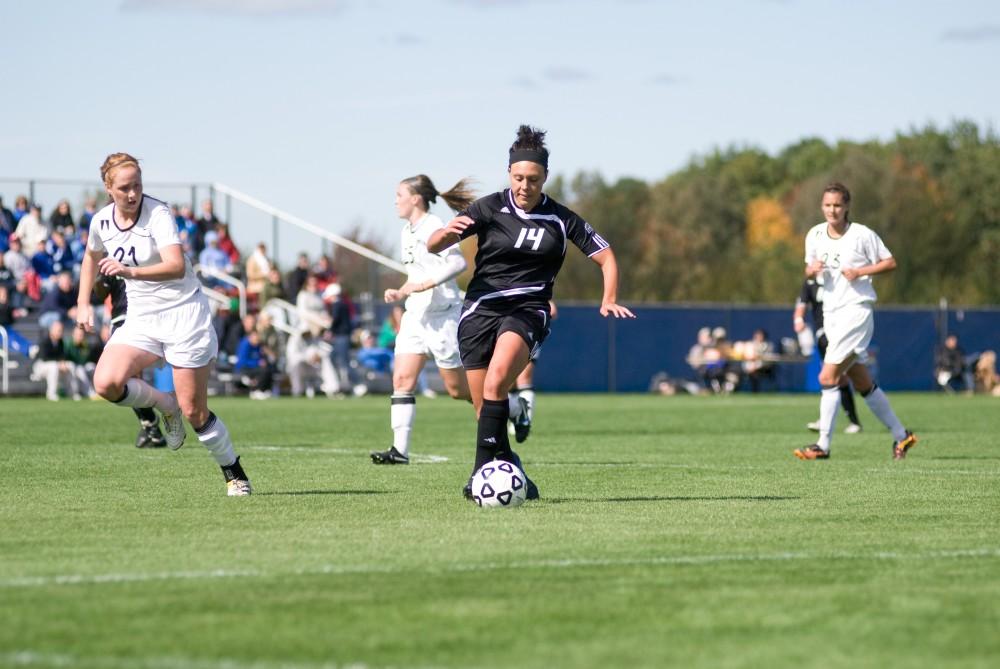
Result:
[[671, 532]]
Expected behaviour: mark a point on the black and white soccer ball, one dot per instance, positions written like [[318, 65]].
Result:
[[499, 484]]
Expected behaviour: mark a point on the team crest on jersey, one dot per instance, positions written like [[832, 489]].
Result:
[[105, 224]]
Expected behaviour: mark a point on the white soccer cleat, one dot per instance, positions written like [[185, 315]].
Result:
[[852, 428], [814, 426], [173, 427], [238, 488]]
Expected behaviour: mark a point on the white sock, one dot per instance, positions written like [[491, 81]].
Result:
[[214, 436], [141, 395], [401, 414], [529, 396], [829, 401], [879, 404], [514, 404]]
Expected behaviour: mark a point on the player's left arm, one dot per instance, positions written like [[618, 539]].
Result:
[[609, 268], [453, 263]]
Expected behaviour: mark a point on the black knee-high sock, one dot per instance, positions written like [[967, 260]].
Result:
[[145, 415], [847, 401], [491, 436]]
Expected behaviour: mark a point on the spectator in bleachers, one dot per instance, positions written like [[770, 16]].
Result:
[[15, 259], [8, 316], [309, 304], [31, 228], [20, 208], [227, 246], [213, 258], [306, 364], [341, 327], [372, 356], [206, 223], [6, 275], [225, 318], [79, 353], [187, 230], [296, 277], [52, 364], [58, 249], [987, 379], [89, 209], [271, 339], [7, 222], [253, 366], [258, 266], [273, 288], [237, 328], [59, 303], [41, 265], [325, 274], [61, 216], [77, 244]]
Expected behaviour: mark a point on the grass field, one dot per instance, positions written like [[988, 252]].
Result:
[[672, 532]]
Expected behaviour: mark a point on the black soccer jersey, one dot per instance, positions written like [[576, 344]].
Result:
[[811, 297], [520, 253], [115, 286]]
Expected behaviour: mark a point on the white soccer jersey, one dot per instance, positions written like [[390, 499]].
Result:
[[858, 247], [139, 246], [422, 265]]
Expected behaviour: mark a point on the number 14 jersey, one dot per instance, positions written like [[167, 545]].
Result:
[[139, 246], [520, 253]]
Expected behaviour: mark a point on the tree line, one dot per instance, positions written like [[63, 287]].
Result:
[[729, 226]]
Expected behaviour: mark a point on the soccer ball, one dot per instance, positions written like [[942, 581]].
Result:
[[499, 483]]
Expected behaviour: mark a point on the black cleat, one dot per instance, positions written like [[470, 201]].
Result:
[[149, 436], [467, 490], [522, 424], [390, 457], [531, 490]]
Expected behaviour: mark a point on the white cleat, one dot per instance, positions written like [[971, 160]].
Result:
[[814, 426], [238, 488], [173, 427], [852, 428]]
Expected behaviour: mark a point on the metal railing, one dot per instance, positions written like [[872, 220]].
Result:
[[241, 288], [277, 215]]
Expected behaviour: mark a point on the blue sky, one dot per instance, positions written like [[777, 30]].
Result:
[[321, 106]]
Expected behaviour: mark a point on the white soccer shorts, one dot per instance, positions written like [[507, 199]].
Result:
[[182, 335], [434, 334], [849, 332]]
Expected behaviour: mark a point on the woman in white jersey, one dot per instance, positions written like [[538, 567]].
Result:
[[135, 237], [429, 327], [844, 256]]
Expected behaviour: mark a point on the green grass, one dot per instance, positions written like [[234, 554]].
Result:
[[672, 532]]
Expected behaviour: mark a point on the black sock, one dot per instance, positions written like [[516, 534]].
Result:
[[847, 401], [491, 435], [145, 415], [234, 471]]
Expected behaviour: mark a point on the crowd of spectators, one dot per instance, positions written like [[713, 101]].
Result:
[[306, 349]]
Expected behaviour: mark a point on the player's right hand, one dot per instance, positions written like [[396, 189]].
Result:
[[85, 317]]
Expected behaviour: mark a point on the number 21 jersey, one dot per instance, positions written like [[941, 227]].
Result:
[[139, 246]]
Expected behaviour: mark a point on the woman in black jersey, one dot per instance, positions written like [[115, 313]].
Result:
[[523, 235]]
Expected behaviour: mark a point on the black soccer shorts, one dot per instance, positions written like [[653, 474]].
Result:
[[478, 333]]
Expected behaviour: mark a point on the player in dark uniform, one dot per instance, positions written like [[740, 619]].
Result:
[[149, 425], [810, 299], [523, 236]]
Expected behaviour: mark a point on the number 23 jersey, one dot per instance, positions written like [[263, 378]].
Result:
[[139, 246], [859, 246], [520, 253]]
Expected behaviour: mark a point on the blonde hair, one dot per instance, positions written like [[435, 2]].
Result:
[[115, 161]]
